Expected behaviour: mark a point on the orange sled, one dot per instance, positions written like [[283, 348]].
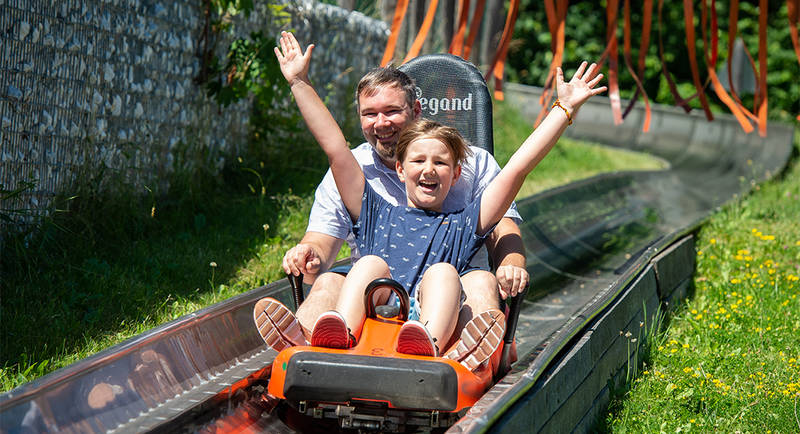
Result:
[[373, 387]]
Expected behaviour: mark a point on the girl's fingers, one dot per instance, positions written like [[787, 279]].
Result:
[[579, 73], [590, 73], [595, 80]]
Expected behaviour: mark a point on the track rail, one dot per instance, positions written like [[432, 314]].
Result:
[[588, 244]]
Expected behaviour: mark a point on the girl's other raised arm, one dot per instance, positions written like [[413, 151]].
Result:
[[346, 171], [504, 187]]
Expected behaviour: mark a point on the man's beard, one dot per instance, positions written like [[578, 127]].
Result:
[[386, 154]]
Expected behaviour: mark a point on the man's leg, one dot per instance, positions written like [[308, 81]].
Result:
[[480, 288], [280, 328], [323, 297]]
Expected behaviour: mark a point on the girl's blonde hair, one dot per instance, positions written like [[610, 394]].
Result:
[[426, 128]]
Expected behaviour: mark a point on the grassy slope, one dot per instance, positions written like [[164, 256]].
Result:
[[73, 295], [729, 359]]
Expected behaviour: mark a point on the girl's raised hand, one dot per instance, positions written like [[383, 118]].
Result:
[[580, 88], [294, 63]]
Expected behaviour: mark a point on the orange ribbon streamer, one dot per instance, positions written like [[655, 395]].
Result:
[[613, 62], [399, 14], [711, 62], [497, 66], [556, 18], [457, 44], [762, 68], [793, 9], [647, 23], [423, 31], [627, 57], [733, 24], [673, 89], [688, 18], [475, 27]]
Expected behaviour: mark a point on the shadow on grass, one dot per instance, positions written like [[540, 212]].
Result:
[[109, 267]]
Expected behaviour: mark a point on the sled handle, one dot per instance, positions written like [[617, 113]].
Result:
[[398, 290], [296, 282], [508, 338]]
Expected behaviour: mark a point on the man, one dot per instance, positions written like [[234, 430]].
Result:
[[387, 101]]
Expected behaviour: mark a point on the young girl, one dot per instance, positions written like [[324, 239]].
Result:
[[418, 245]]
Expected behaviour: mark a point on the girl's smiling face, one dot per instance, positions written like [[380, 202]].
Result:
[[428, 170]]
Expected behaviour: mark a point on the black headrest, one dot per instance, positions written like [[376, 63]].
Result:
[[452, 91]]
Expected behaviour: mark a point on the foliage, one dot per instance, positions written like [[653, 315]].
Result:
[[530, 54]]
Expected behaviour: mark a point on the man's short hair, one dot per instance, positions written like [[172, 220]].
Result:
[[387, 76]]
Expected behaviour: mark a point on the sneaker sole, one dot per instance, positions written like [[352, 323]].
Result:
[[330, 332], [479, 339], [414, 341], [277, 325]]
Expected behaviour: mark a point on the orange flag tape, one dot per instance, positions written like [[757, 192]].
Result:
[[423, 31], [399, 14], [688, 18]]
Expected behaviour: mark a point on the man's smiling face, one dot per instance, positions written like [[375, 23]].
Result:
[[383, 114]]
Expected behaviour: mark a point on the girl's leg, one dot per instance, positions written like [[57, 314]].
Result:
[[351, 300], [439, 297]]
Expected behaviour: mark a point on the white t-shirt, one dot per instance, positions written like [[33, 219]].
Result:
[[329, 215]]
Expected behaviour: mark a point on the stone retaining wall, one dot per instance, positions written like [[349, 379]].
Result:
[[91, 84]]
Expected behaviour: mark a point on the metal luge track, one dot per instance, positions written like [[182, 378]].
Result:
[[587, 244]]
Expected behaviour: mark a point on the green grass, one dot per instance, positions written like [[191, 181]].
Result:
[[729, 359], [113, 267], [569, 159]]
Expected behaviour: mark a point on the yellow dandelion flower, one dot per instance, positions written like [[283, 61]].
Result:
[[714, 241]]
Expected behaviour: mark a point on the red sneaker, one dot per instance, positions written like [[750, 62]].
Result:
[[415, 339], [277, 325], [331, 331]]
